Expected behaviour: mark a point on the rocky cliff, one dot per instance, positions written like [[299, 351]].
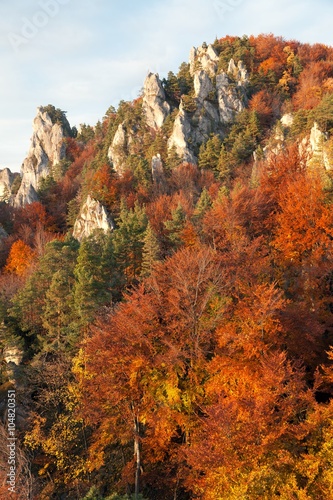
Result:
[[47, 149], [7, 179], [93, 215], [154, 105], [118, 149], [314, 147], [218, 97], [317, 148]]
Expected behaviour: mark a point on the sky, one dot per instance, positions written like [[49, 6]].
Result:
[[85, 55]]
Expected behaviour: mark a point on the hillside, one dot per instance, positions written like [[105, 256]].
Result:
[[166, 280]]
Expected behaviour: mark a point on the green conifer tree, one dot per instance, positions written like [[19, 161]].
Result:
[[94, 275], [209, 153], [176, 225], [37, 297], [150, 252], [128, 241], [203, 204]]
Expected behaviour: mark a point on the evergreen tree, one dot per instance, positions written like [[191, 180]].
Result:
[[209, 153], [57, 315], [128, 241], [94, 276], [171, 87], [37, 297], [174, 159], [150, 252], [176, 225], [203, 204]]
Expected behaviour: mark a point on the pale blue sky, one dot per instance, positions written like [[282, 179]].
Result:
[[84, 55]]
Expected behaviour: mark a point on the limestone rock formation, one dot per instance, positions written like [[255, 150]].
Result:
[[155, 107], [276, 142], [203, 86], [13, 357], [93, 215], [317, 152], [181, 136], [214, 106], [204, 58], [157, 170], [287, 120], [239, 72], [117, 150], [47, 149], [6, 181], [230, 98]]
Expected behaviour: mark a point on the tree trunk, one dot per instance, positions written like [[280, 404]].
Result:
[[137, 457]]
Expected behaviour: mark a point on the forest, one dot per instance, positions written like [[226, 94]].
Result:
[[187, 353]]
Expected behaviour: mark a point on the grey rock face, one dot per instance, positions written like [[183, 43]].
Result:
[[317, 148], [181, 136], [203, 85], [13, 358], [229, 98], [93, 216], [155, 107], [205, 59], [217, 104], [157, 170], [239, 72], [117, 149], [47, 148], [6, 181]]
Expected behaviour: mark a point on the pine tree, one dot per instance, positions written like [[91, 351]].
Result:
[[30, 302], [174, 159], [57, 311], [94, 276], [203, 204], [57, 315], [176, 225], [128, 241], [209, 153], [225, 164], [150, 252]]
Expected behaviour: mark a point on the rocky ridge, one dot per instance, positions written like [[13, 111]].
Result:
[[218, 97]]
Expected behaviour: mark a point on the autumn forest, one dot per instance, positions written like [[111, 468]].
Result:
[[186, 353]]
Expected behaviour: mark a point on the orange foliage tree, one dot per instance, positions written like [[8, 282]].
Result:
[[153, 350], [20, 258]]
